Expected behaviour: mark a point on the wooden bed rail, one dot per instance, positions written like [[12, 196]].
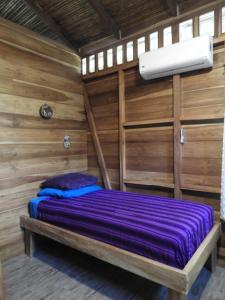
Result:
[[178, 281]]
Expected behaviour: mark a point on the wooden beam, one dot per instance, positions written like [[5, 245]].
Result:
[[177, 93], [96, 141], [106, 19], [121, 81], [48, 20], [172, 6]]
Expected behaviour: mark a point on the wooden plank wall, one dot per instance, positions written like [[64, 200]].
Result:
[[35, 71], [150, 136], [103, 97]]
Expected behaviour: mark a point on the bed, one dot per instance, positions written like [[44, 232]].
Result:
[[150, 236]]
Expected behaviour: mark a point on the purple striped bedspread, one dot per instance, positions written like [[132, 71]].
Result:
[[163, 229]]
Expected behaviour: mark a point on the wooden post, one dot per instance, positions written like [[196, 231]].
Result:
[[213, 260], [160, 38], [196, 26], [2, 292], [135, 50], [175, 33], [96, 141], [217, 21], [147, 42], [177, 128], [29, 242], [96, 62], [173, 295], [121, 129]]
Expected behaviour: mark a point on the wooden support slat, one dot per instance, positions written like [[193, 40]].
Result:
[[121, 129], [217, 21], [135, 49], [160, 38], [88, 66], [147, 42], [105, 59], [96, 62], [220, 20], [196, 26], [125, 53], [177, 127], [115, 56], [175, 33], [2, 293], [149, 122], [96, 141]]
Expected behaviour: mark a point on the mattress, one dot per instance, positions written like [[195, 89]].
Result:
[[162, 229]]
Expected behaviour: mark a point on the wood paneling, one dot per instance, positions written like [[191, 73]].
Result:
[[33, 72], [153, 120], [203, 92], [103, 97], [149, 155], [27, 40], [146, 101], [157, 191], [95, 138], [201, 157]]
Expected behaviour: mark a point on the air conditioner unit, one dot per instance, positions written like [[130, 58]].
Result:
[[193, 54]]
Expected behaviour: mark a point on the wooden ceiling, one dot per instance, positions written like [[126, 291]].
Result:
[[80, 22]]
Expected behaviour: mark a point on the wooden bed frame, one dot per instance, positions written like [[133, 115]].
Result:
[[2, 294], [178, 281]]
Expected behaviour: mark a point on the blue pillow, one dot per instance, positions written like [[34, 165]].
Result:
[[69, 193]]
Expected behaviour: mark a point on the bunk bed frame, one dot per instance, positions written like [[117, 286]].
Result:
[[177, 281]]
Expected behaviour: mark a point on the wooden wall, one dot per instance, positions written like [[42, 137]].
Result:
[[103, 97], [35, 71], [154, 110]]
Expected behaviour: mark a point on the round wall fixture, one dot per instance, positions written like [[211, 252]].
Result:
[[46, 111]]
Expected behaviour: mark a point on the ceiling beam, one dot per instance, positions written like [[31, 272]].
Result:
[[172, 6], [106, 19], [49, 21]]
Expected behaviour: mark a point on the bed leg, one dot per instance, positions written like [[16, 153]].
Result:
[[173, 295], [29, 242], [2, 292], [213, 260]]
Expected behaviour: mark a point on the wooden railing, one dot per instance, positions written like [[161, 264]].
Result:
[[218, 7]]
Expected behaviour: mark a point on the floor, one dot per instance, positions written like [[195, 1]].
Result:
[[57, 272]]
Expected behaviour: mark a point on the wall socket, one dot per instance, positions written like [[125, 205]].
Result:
[[67, 142]]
